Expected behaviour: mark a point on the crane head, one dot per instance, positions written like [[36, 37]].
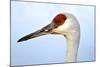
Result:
[[62, 23]]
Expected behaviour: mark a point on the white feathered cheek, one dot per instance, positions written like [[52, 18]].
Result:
[[64, 28]]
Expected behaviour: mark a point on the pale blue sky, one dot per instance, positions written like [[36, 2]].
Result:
[[27, 17]]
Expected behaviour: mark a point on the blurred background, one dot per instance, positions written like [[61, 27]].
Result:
[[27, 17]]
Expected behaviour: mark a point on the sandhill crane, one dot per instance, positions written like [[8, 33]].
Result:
[[64, 24]]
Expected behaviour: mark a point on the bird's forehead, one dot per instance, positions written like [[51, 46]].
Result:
[[59, 19]]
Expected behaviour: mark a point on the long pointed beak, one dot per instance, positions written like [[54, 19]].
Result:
[[45, 30]]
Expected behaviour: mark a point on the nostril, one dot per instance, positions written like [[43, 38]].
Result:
[[46, 30]]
